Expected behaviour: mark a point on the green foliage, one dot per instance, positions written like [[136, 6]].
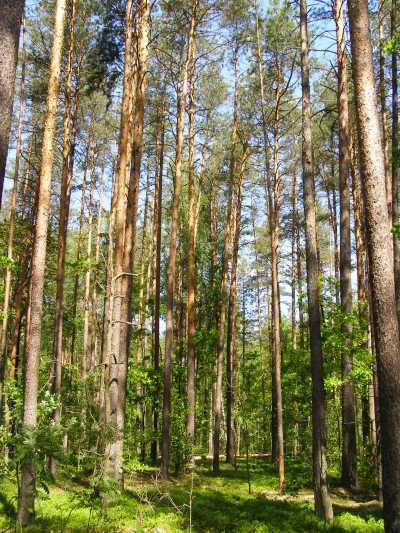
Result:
[[219, 504], [392, 45]]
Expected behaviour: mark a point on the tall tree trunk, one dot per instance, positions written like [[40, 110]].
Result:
[[32, 355], [294, 272], [395, 155], [382, 98], [349, 449], [232, 318], [224, 291], [322, 502], [274, 215], [11, 227], [380, 257], [78, 253], [65, 197], [10, 23], [86, 291], [158, 192], [171, 269], [104, 414], [191, 296], [130, 150], [94, 347]]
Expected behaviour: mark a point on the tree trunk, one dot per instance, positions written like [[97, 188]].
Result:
[[93, 360], [10, 22], [382, 98], [380, 256], [191, 296], [157, 285], [86, 291], [395, 155], [224, 293], [349, 449], [232, 319], [169, 333], [32, 355], [322, 502], [65, 197], [130, 150], [11, 228], [78, 255]]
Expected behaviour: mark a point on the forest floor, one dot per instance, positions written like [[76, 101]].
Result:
[[202, 503]]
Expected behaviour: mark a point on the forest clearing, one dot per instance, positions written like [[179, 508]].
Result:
[[199, 266], [203, 504]]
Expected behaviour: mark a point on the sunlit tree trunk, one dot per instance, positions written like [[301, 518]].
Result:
[[224, 290], [171, 269], [191, 297], [232, 317], [94, 341], [78, 254], [10, 23], [349, 449], [65, 197], [382, 98], [158, 192], [86, 291], [395, 154], [11, 227], [26, 499], [380, 258]]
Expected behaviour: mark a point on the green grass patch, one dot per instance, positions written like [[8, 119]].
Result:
[[213, 504]]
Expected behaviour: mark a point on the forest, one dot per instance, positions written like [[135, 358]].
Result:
[[199, 266]]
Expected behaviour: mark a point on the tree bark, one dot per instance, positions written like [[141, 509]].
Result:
[[26, 500], [322, 502], [65, 198], [349, 448], [224, 292], [157, 284], [171, 269], [382, 98], [10, 23], [11, 227], [380, 258], [191, 296], [232, 317], [395, 155]]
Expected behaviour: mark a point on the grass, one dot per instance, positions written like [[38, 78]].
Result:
[[219, 504]]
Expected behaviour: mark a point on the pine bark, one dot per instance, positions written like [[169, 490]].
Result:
[[10, 23], [11, 227], [383, 109], [191, 298], [380, 258], [171, 269], [322, 502], [224, 290], [26, 500], [158, 192], [65, 198], [231, 343], [349, 447], [395, 155]]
